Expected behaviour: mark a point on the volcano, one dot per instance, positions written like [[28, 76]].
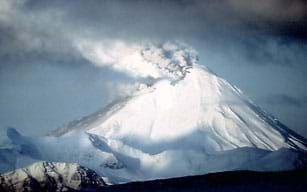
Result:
[[181, 120]]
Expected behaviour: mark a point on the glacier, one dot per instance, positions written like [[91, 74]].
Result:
[[181, 120]]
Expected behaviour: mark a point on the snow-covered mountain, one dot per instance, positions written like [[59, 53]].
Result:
[[46, 176], [181, 120]]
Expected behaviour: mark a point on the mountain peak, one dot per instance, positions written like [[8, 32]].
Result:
[[201, 110]]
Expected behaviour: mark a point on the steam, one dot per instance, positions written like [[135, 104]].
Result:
[[167, 60]]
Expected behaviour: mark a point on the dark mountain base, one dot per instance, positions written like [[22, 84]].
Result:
[[292, 181]]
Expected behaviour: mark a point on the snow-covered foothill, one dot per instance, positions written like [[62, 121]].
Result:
[[47, 176]]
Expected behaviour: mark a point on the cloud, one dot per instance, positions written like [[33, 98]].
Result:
[[285, 10], [33, 29], [181, 17], [30, 36], [165, 18], [283, 99], [264, 50]]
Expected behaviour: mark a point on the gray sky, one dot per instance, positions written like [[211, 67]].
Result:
[[260, 46]]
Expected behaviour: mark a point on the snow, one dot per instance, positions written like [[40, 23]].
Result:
[[184, 121], [52, 176], [201, 102]]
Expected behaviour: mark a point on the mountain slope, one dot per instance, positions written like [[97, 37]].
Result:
[[294, 181], [200, 104], [118, 162], [44, 176]]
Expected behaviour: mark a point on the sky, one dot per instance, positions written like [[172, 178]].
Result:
[[46, 80]]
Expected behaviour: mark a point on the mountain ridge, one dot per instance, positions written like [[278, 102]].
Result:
[[50, 176]]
